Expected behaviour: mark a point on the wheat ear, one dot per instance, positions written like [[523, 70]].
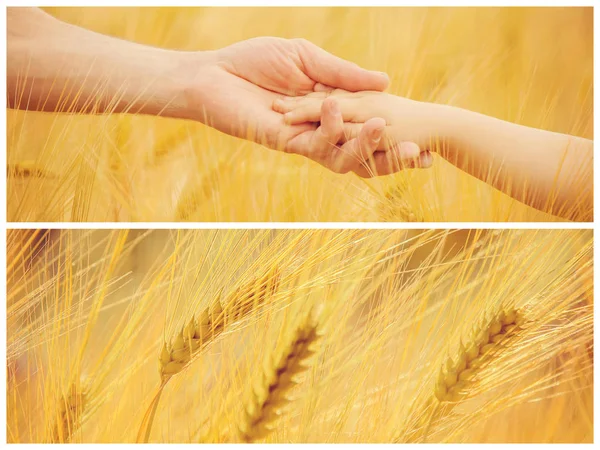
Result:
[[26, 169], [69, 411], [198, 333], [394, 208], [212, 321], [486, 341], [269, 396]]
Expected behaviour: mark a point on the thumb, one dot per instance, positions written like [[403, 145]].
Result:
[[325, 68]]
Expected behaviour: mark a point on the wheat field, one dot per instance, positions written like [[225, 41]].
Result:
[[299, 336], [532, 66]]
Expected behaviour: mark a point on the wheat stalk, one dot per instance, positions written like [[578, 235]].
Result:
[[269, 396], [69, 411]]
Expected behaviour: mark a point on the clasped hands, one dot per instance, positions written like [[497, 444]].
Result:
[[285, 94]]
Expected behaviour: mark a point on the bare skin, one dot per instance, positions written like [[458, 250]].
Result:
[[58, 67], [551, 172]]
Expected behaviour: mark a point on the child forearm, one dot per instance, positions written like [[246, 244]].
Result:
[[549, 171], [55, 66]]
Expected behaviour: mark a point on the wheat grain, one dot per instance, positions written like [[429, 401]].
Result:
[[484, 343], [269, 396]]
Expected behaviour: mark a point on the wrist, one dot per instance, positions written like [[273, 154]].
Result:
[[168, 77], [194, 75], [438, 132], [429, 125]]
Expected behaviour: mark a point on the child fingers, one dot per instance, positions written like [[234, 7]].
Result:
[[299, 145], [308, 112], [281, 106], [357, 152], [388, 142], [323, 141], [318, 87], [332, 124], [387, 163], [413, 157], [352, 131], [425, 159], [291, 139], [286, 103], [381, 163]]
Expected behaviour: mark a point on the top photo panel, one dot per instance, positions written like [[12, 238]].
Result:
[[299, 114]]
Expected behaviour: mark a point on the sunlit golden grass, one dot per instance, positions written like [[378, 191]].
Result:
[[300, 336], [532, 66]]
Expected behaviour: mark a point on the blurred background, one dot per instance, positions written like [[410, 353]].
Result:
[[528, 65], [94, 307]]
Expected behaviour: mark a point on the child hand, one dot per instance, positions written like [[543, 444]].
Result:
[[406, 134], [345, 119], [546, 170]]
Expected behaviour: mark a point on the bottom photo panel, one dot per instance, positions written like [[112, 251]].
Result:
[[299, 336]]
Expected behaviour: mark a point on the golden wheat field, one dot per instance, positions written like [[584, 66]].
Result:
[[532, 66], [299, 336]]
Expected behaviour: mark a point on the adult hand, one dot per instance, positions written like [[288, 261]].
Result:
[[233, 90]]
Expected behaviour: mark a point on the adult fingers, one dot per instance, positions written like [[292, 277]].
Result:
[[327, 69]]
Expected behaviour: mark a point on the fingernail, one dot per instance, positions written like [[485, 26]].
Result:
[[425, 159], [287, 117], [409, 150], [376, 135], [335, 109]]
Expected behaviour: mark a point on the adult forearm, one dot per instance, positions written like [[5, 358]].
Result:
[[549, 171], [59, 67]]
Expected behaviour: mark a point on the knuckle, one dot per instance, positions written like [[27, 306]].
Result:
[[301, 42], [338, 166], [344, 168]]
